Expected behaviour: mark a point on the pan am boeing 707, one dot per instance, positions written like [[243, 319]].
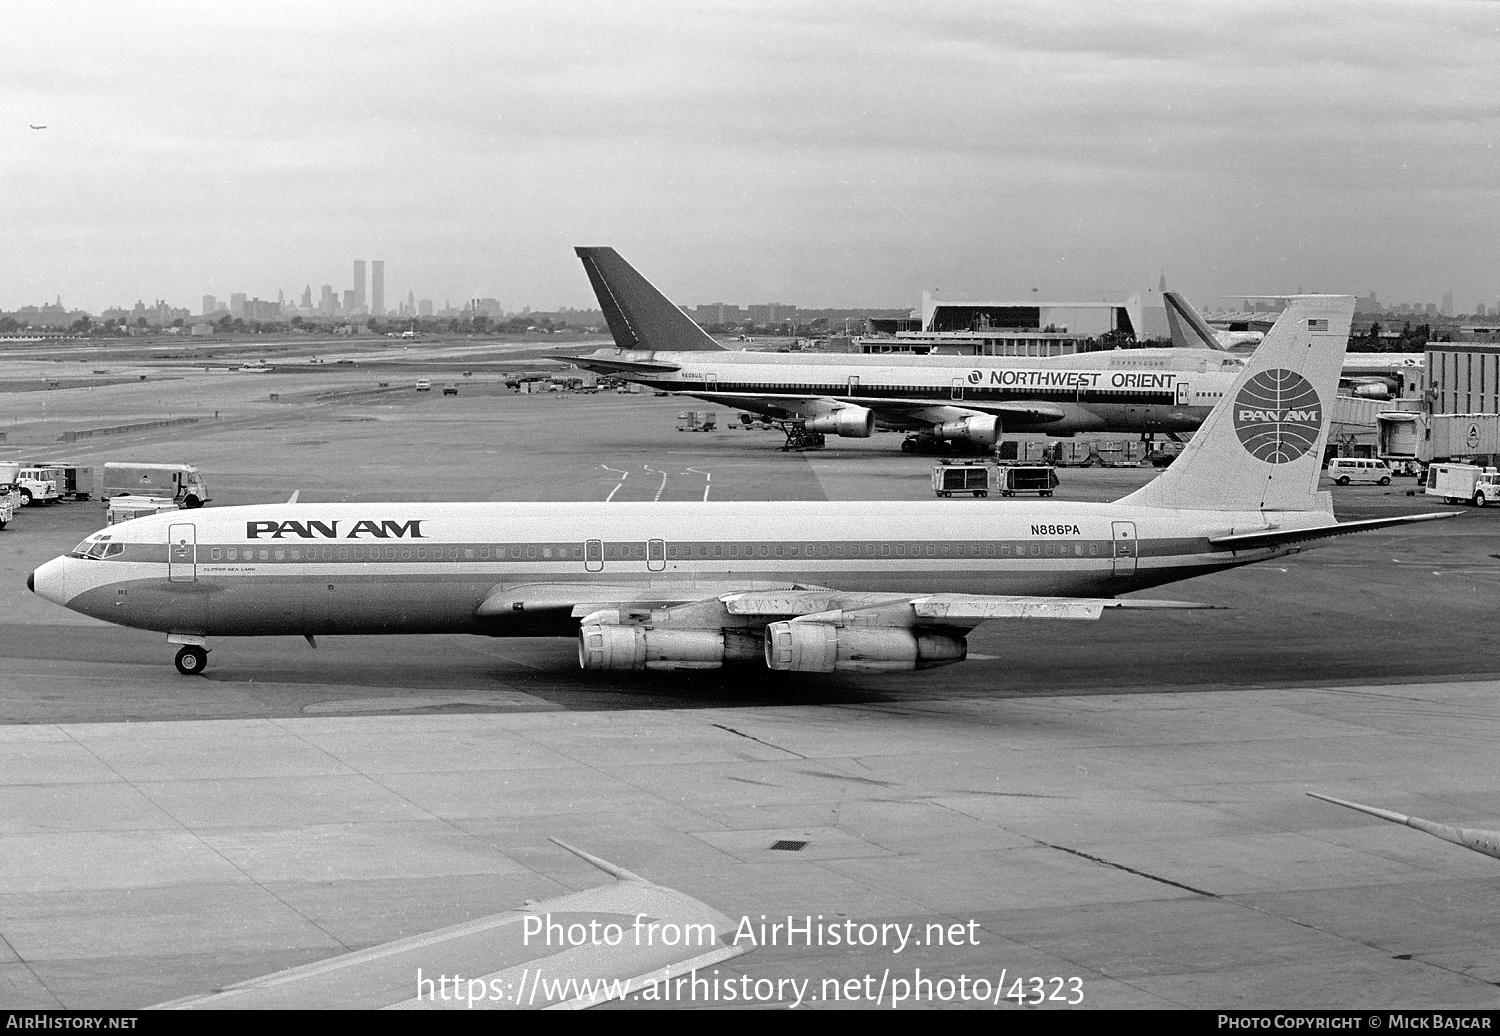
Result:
[[802, 587], [971, 399]]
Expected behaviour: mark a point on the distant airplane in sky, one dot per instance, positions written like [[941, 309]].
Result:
[[36, 127]]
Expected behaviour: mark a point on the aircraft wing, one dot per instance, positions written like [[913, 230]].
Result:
[[580, 599], [1028, 411], [508, 961], [1277, 537], [956, 610], [889, 413], [610, 365], [709, 606]]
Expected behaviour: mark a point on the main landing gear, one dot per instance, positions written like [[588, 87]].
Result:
[[192, 660]]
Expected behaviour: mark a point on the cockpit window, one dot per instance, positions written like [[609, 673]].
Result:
[[97, 547]]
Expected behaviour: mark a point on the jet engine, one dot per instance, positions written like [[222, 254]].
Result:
[[983, 429], [852, 422], [644, 647], [815, 647], [1372, 390]]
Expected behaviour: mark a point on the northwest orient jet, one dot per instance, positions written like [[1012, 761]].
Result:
[[796, 586], [970, 399]]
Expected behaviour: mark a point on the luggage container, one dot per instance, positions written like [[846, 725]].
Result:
[[697, 420], [948, 479], [1039, 479], [124, 508]]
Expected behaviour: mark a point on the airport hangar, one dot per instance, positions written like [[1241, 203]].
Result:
[[1125, 805]]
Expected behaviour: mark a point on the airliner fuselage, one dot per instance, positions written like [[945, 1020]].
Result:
[[522, 569]]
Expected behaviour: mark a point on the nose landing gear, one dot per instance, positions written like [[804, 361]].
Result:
[[192, 660]]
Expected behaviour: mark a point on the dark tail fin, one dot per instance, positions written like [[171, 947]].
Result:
[[639, 316], [1189, 330]]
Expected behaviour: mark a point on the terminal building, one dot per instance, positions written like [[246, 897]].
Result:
[[967, 327]]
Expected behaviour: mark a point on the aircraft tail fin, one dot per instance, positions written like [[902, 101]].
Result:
[[1261, 448], [1189, 330], [639, 316]]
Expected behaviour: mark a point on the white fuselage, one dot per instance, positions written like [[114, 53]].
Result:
[[1124, 390], [532, 569]]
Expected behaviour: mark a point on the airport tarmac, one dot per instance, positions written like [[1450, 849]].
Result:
[[1119, 801]]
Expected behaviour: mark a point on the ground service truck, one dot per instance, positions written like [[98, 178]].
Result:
[[180, 483]]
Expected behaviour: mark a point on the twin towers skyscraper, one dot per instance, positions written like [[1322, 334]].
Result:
[[375, 300]]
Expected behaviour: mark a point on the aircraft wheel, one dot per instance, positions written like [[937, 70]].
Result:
[[191, 660], [1385, 481]]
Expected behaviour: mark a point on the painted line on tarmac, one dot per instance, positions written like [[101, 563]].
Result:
[[661, 488], [707, 478], [623, 476]]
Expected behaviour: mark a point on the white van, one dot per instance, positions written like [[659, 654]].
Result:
[[1344, 470]]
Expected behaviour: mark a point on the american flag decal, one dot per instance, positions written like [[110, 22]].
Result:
[[1317, 325]]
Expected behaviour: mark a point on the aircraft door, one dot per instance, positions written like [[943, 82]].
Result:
[[957, 391], [711, 382], [853, 386], [1184, 394], [656, 555], [1125, 548], [182, 552], [593, 555]]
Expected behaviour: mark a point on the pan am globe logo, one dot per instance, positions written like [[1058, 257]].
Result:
[[1277, 415]]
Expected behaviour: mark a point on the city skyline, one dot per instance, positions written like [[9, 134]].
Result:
[[849, 155]]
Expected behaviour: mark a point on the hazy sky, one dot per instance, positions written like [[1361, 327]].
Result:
[[825, 154]]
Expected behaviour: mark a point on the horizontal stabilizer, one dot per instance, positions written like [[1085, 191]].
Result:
[[1487, 842], [610, 365], [1278, 537]]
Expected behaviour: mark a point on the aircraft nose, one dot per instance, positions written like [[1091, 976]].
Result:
[[50, 581]]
